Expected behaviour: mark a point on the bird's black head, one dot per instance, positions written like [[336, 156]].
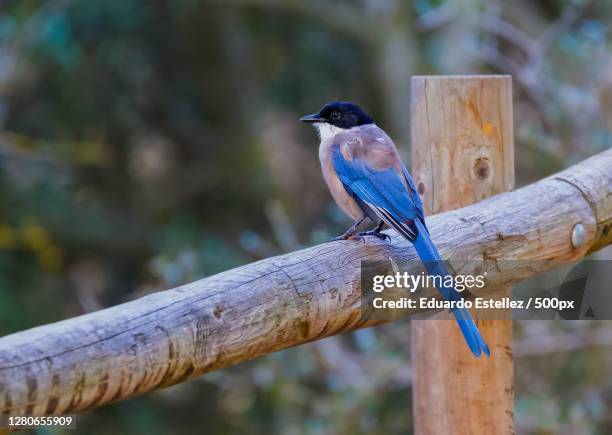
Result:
[[340, 114]]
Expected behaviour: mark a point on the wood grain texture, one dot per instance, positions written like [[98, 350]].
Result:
[[284, 301], [462, 152]]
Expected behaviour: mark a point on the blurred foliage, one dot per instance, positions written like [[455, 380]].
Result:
[[145, 144]]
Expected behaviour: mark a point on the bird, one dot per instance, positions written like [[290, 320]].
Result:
[[367, 179]]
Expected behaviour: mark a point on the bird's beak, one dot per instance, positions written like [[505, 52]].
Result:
[[312, 118]]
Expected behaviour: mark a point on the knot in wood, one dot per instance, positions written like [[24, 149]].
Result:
[[482, 168]]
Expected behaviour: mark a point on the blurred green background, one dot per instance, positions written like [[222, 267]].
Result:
[[145, 144]]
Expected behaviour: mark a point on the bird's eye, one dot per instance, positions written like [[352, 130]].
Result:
[[335, 115]]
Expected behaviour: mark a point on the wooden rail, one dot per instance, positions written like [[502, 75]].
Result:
[[173, 335]]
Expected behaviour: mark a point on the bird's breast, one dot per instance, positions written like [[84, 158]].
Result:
[[336, 188]]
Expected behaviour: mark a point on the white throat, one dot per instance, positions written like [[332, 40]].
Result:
[[327, 131]]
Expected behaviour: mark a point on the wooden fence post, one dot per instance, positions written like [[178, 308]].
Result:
[[462, 152]]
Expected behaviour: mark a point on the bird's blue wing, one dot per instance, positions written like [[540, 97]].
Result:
[[382, 190]]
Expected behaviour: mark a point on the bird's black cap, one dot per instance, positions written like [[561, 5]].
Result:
[[340, 114]]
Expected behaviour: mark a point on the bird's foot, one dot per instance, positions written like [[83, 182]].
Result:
[[351, 233], [347, 237], [376, 233]]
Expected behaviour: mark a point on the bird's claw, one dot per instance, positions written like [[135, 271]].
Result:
[[337, 239], [346, 237]]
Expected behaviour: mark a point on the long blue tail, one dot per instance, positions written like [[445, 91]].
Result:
[[435, 267]]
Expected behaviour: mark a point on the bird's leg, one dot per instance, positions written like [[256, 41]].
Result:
[[350, 233], [376, 232]]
